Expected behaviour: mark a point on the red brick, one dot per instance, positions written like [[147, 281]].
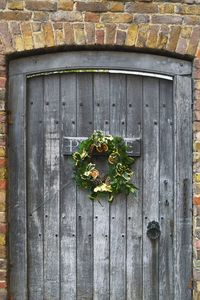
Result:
[[41, 5], [191, 20], [166, 19], [2, 93], [90, 33], [197, 63], [92, 17], [69, 34], [181, 46], [65, 5], [3, 264], [141, 18], [2, 4], [99, 37], [2, 162], [2, 117], [41, 16], [116, 18], [15, 15], [3, 228], [196, 74], [3, 285], [92, 6], [2, 82], [27, 36], [5, 35], [173, 38], [141, 8], [3, 70], [193, 42], [142, 35], [162, 37], [152, 36], [2, 275], [15, 28], [196, 126], [110, 34], [3, 173], [189, 9], [2, 59], [16, 5], [120, 37], [58, 26], [2, 251], [48, 33], [196, 94], [117, 7], [3, 184], [36, 26], [196, 200], [66, 16], [79, 34]]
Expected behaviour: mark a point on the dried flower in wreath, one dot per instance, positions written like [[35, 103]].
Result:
[[117, 179]]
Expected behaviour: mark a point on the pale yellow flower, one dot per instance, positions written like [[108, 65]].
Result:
[[84, 154], [103, 188]]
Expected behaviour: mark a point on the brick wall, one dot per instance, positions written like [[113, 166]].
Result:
[[171, 28]]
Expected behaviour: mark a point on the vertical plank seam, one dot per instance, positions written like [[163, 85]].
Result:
[[142, 193], [59, 174], [126, 77], [25, 175], [92, 239], [76, 185], [109, 203], [43, 83], [159, 183], [175, 179], [142, 179]]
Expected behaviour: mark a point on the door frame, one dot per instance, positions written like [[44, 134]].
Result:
[[138, 63]]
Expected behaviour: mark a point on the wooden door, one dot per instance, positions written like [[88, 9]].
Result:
[[68, 247]]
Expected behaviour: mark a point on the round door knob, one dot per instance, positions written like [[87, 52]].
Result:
[[153, 230]]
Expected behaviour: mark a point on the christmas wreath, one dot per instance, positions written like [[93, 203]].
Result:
[[119, 174]]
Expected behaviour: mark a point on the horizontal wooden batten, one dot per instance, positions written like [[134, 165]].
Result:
[[70, 145], [100, 60]]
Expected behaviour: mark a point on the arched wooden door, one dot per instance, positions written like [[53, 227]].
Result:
[[62, 245]]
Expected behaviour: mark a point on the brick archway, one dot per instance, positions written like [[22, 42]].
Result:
[[169, 28]]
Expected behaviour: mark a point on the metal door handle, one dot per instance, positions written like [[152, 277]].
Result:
[[153, 230]]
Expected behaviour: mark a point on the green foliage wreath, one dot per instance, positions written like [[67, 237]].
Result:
[[119, 173]]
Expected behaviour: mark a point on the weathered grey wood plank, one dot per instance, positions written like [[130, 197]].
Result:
[[51, 188], [68, 192], [134, 204], [101, 212], [183, 187], [150, 184], [17, 189], [84, 205], [118, 207], [35, 192], [166, 257], [101, 59]]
